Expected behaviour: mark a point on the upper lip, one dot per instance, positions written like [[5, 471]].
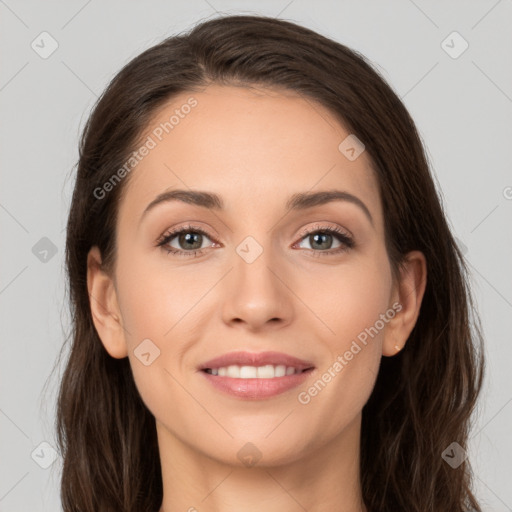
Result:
[[256, 359]]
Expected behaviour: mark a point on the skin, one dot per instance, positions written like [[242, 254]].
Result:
[[257, 147]]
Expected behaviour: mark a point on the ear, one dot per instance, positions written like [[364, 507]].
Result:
[[105, 310], [408, 293]]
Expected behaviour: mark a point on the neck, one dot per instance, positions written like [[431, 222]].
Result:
[[325, 479]]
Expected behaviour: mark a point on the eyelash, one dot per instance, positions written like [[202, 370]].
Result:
[[344, 238]]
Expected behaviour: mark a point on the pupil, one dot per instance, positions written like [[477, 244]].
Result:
[[322, 235], [188, 238]]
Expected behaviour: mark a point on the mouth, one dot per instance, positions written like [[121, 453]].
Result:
[[256, 376], [267, 371]]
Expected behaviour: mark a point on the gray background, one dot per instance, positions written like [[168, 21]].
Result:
[[462, 107]]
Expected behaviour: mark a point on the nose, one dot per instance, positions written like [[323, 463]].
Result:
[[257, 296]]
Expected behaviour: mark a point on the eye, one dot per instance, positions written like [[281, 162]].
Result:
[[188, 237], [321, 238], [188, 240]]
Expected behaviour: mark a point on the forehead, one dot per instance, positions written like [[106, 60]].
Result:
[[253, 147]]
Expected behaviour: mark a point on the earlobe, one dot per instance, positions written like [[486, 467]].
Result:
[[409, 294], [104, 306]]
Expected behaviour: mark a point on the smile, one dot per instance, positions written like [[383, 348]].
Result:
[[274, 380], [268, 371]]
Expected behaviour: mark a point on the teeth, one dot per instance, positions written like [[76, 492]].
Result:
[[280, 371], [233, 372], [268, 371], [248, 372]]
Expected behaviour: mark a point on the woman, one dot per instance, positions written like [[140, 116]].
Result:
[[269, 309]]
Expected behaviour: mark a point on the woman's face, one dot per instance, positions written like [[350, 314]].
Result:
[[263, 278]]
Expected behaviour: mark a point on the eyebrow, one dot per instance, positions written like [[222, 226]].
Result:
[[297, 202]]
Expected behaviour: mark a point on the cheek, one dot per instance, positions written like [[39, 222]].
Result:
[[355, 305], [350, 298], [154, 299], [157, 312], [161, 311]]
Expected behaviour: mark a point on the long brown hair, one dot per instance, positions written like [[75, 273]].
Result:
[[423, 398]]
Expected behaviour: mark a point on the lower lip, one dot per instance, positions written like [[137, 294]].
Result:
[[256, 389]]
